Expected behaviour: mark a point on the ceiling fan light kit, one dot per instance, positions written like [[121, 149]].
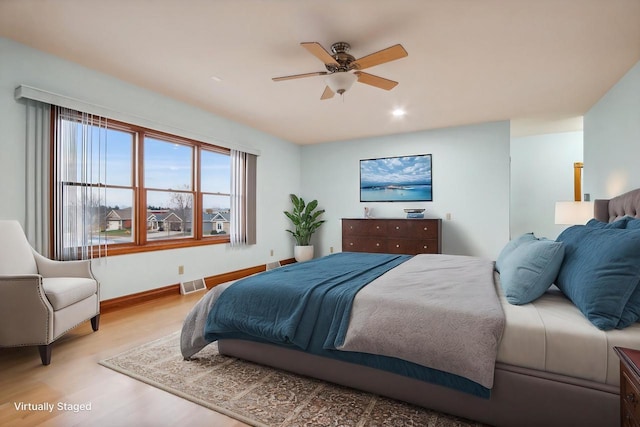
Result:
[[341, 81], [343, 69]]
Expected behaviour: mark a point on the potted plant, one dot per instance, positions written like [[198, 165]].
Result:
[[305, 222]]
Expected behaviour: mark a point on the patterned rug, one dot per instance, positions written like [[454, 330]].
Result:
[[262, 396]]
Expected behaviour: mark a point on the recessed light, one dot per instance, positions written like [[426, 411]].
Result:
[[398, 112], [216, 78]]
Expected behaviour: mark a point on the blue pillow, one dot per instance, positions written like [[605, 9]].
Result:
[[511, 246], [600, 273], [620, 223], [530, 269], [631, 312]]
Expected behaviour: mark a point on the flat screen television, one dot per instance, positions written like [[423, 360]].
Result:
[[396, 179]]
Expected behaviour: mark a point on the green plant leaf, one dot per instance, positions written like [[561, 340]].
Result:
[[304, 218]]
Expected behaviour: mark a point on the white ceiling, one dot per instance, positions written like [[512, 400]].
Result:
[[537, 62]]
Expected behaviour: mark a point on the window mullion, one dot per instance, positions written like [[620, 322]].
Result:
[[197, 197], [141, 199]]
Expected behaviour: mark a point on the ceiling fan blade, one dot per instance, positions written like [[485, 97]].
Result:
[[328, 93], [385, 55], [319, 52], [379, 82], [299, 76]]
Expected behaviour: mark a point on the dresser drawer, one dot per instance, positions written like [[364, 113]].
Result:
[[413, 228], [364, 227], [627, 418], [363, 244], [412, 246], [424, 229], [630, 397], [428, 246], [400, 246]]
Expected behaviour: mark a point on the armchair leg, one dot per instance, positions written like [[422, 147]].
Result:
[[45, 354], [95, 322]]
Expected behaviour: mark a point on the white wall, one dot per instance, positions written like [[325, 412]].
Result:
[[278, 168], [470, 181], [612, 139], [542, 174]]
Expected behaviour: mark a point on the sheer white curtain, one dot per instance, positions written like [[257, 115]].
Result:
[[37, 152], [79, 193], [243, 198]]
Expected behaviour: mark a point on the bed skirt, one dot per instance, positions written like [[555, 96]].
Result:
[[520, 396]]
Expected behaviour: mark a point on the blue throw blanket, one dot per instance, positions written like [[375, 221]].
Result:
[[283, 306]]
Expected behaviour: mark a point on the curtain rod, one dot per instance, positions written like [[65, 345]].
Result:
[[29, 92]]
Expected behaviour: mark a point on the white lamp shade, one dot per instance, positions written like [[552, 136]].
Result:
[[572, 213], [341, 81]]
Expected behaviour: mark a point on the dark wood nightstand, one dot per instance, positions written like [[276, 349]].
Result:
[[629, 386]]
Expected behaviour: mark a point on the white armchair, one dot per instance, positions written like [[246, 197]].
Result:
[[41, 299]]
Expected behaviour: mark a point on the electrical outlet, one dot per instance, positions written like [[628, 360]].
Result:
[[331, 249], [448, 216], [271, 252], [181, 269]]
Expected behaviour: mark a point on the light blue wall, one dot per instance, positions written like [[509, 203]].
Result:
[[126, 274], [470, 181], [612, 139], [541, 175]]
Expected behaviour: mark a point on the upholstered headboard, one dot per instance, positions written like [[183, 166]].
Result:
[[609, 210]]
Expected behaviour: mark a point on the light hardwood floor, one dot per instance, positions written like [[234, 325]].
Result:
[[74, 376]]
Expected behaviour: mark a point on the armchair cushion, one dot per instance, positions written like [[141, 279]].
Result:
[[65, 291]]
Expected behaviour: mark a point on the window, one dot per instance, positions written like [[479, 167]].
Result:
[[122, 188]]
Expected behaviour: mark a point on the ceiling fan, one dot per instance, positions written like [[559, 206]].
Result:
[[344, 69]]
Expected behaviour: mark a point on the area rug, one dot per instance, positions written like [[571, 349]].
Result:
[[263, 396]]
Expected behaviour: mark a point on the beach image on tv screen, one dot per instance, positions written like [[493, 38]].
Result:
[[396, 179]]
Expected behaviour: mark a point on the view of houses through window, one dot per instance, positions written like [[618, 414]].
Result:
[[132, 187]]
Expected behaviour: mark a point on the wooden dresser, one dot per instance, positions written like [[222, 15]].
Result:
[[629, 386], [393, 236]]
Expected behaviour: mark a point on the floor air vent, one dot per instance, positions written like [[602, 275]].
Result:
[[192, 286], [272, 265]]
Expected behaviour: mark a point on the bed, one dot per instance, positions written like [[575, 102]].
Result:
[[551, 365]]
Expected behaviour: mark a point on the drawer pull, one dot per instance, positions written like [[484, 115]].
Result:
[[631, 398], [426, 246], [397, 228], [377, 244], [351, 244], [397, 246], [377, 227]]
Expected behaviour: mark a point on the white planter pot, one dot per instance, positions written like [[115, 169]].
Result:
[[303, 253]]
